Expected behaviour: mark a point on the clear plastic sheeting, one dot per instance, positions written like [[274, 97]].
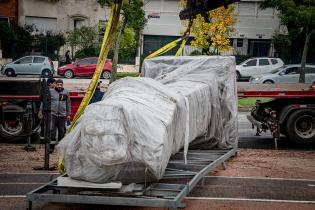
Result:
[[131, 134]]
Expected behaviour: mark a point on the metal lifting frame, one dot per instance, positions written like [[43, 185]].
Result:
[[179, 179]]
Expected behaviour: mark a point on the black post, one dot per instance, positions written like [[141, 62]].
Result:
[[46, 100]]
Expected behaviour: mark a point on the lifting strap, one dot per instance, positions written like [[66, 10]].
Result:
[[108, 36], [173, 44]]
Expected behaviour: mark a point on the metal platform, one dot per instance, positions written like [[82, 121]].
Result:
[[178, 180]]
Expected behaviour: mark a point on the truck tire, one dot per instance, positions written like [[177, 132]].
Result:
[[301, 127]]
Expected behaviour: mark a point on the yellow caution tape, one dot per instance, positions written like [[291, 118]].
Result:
[[181, 48], [108, 36], [164, 49]]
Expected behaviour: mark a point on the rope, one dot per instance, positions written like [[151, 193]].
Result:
[[108, 36]]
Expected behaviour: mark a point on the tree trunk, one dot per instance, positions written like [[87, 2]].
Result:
[[116, 51], [304, 55]]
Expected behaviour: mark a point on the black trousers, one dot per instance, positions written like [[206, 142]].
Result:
[[58, 123]]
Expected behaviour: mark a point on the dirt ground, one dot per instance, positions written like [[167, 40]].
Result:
[[248, 163]]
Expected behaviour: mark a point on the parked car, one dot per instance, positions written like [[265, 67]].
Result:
[[29, 65], [85, 67], [286, 74], [257, 66]]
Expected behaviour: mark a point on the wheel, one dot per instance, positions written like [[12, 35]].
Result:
[[68, 74], [238, 76], [10, 73], [46, 73], [301, 127], [106, 75], [268, 82]]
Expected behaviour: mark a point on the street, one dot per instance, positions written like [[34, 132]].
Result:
[[220, 190]]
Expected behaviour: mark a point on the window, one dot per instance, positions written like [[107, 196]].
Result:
[[239, 42], [93, 61], [310, 70], [24, 60], [251, 62], [41, 24], [293, 70], [84, 62], [263, 62], [274, 61], [38, 60]]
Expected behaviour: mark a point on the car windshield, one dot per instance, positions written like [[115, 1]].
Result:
[[278, 69]]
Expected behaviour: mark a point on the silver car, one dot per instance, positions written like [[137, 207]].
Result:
[[286, 74], [29, 65]]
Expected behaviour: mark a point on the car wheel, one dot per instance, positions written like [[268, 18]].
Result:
[[106, 75], [46, 73], [268, 82], [238, 76], [68, 74], [300, 127], [10, 73]]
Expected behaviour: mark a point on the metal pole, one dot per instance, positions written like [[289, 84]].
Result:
[[47, 123]]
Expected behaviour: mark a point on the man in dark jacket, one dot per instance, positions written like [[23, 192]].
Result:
[[98, 94], [60, 111]]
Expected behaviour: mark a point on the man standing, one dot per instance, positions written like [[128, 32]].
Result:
[[98, 94], [60, 112], [51, 82], [68, 59]]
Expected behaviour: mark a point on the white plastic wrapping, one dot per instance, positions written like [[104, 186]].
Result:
[[131, 134]]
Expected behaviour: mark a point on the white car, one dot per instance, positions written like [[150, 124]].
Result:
[[257, 66], [286, 74]]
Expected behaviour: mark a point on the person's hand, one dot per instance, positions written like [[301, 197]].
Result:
[[40, 115]]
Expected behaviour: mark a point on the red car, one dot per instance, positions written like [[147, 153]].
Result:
[[85, 67]]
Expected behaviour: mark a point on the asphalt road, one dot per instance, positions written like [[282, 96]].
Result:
[[274, 193]]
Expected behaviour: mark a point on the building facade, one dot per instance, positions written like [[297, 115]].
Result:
[[9, 10], [254, 27], [60, 15]]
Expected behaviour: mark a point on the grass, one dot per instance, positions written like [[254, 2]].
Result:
[[250, 102], [127, 74]]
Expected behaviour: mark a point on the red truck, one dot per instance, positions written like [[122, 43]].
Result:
[[19, 106], [290, 113]]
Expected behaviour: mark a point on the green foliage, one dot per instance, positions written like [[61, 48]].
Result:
[[127, 74], [282, 44], [105, 2], [84, 37], [133, 11], [250, 102], [49, 44], [87, 52], [299, 16], [195, 53], [240, 58]]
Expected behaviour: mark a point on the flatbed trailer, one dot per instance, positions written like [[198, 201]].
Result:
[[290, 113], [178, 181], [19, 106]]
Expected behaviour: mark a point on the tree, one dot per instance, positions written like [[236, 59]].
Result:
[[297, 14], [213, 30], [132, 22], [84, 37]]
